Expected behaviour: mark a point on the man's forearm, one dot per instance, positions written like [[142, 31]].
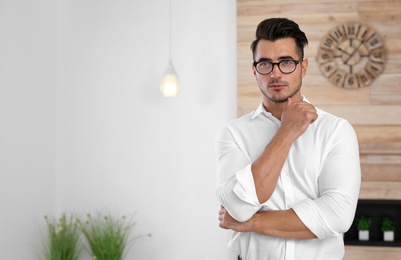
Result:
[[267, 168], [280, 223], [276, 223]]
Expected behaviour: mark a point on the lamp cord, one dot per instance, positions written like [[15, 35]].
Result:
[[170, 29]]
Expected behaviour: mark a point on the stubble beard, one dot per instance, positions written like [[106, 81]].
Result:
[[282, 99]]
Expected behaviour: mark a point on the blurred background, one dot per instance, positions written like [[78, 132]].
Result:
[[83, 125]]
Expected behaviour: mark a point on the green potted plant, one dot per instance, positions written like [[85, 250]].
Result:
[[63, 238], [107, 235], [388, 228], [363, 226]]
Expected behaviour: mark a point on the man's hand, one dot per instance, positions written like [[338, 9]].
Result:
[[297, 117], [228, 222]]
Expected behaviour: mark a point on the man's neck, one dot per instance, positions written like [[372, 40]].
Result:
[[276, 108]]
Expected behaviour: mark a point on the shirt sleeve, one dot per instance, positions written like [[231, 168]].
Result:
[[235, 184], [333, 211]]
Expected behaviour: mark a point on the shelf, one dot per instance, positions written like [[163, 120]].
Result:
[[377, 210], [372, 243]]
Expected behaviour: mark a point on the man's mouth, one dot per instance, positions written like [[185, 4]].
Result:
[[275, 86]]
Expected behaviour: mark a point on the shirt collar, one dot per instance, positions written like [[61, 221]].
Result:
[[261, 109]]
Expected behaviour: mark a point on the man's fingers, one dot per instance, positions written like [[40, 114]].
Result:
[[287, 105], [222, 212]]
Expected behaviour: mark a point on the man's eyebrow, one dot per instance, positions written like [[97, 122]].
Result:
[[287, 57], [264, 59]]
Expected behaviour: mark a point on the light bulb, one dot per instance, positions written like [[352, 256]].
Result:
[[170, 85]]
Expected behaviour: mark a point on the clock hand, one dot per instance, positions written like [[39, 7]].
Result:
[[338, 48], [352, 54]]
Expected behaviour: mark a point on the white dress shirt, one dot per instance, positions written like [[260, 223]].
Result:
[[320, 181]]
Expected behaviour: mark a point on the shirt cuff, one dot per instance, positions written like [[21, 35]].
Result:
[[245, 187], [309, 214]]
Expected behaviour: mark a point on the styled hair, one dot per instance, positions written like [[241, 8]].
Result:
[[273, 29]]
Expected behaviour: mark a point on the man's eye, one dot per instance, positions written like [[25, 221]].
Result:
[[264, 64]]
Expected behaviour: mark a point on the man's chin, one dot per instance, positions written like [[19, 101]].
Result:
[[278, 99]]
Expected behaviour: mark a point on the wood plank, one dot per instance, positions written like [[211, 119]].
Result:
[[393, 64], [387, 84], [384, 148], [381, 158], [380, 148], [245, 34], [375, 6], [386, 99], [371, 253], [381, 172], [302, 18], [241, 3], [320, 7], [257, 10], [380, 15], [367, 115], [393, 45], [380, 190], [378, 133]]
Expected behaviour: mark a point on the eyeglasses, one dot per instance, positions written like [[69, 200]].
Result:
[[264, 67]]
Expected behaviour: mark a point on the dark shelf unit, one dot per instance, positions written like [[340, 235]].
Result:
[[377, 210]]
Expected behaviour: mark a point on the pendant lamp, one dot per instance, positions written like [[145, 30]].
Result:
[[170, 85]]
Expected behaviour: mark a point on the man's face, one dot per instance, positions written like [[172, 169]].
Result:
[[277, 86]]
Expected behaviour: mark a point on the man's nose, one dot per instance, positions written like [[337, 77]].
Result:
[[276, 72]]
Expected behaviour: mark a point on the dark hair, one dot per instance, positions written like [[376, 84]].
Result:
[[277, 28]]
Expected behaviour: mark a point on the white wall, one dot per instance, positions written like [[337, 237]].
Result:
[[84, 126], [27, 123]]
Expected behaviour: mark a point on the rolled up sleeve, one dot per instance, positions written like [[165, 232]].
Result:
[[332, 213], [235, 184]]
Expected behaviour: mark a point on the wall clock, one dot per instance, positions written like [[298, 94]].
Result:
[[351, 55]]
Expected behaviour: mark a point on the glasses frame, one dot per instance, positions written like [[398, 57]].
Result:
[[278, 65]]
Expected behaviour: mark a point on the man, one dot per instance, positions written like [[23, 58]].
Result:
[[288, 173]]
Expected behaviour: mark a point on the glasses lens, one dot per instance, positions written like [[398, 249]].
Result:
[[264, 67], [287, 66]]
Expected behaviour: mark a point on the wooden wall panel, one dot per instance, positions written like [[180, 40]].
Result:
[[316, 18], [374, 111]]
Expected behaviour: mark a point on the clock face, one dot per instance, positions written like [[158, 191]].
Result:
[[351, 56]]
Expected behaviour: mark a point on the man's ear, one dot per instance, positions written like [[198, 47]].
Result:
[[304, 64]]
